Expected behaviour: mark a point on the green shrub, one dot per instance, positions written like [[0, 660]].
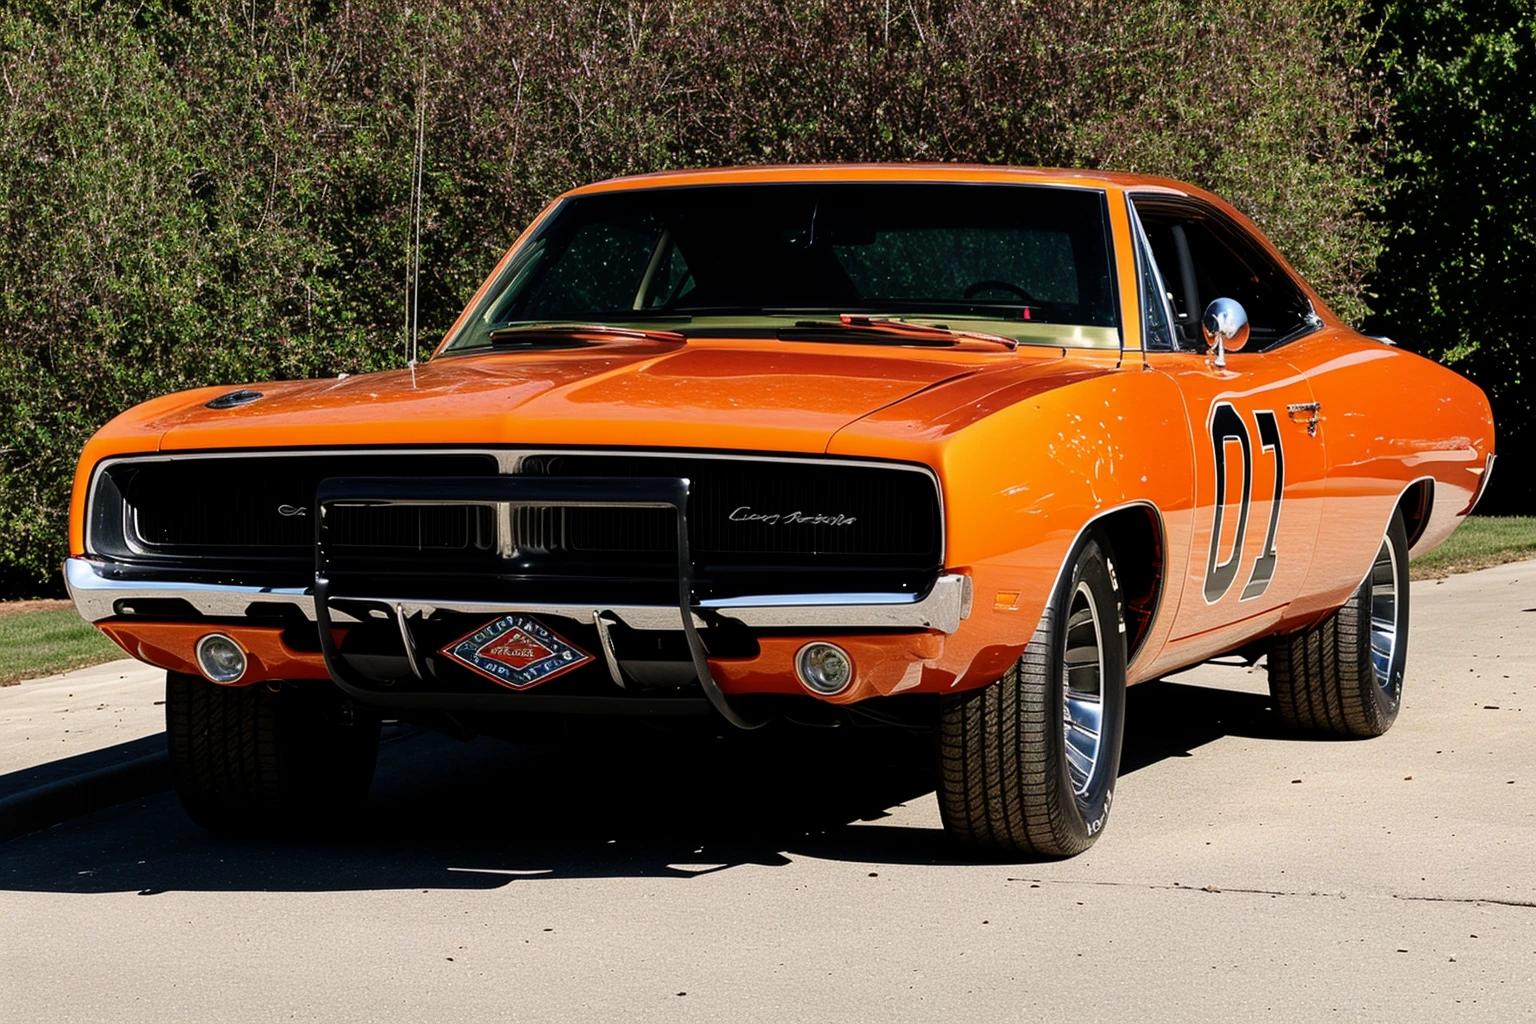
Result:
[[194, 193], [1458, 282]]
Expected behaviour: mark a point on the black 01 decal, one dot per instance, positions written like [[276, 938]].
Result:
[[1227, 425], [1264, 568]]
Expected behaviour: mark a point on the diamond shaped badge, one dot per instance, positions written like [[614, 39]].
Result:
[[517, 652]]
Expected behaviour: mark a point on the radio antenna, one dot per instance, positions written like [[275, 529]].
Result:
[[418, 163]]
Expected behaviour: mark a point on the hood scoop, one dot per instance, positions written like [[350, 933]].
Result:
[[234, 399]]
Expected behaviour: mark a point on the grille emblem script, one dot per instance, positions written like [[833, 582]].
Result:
[[745, 514], [292, 510]]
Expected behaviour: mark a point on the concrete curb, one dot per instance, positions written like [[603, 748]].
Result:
[[59, 801]]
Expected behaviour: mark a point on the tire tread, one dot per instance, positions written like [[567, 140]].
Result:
[[1322, 678], [1000, 788]]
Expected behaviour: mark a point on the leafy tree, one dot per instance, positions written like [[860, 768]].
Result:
[[198, 191], [1457, 281]]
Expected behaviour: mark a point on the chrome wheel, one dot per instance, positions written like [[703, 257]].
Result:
[[1082, 667], [1384, 625]]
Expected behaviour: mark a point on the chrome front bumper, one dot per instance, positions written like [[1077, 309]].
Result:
[[98, 595]]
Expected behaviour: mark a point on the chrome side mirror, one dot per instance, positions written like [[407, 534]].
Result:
[[1225, 326]]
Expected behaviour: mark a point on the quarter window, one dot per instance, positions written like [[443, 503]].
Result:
[[1156, 328]]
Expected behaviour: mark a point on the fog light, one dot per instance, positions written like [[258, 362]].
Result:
[[220, 658], [824, 668]]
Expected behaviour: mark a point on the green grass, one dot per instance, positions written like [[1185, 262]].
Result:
[[1480, 542], [40, 643]]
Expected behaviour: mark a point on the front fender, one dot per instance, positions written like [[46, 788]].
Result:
[[1025, 467]]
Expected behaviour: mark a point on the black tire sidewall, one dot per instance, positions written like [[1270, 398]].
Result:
[[1092, 565], [1388, 700]]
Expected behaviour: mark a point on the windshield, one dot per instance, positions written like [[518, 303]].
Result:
[[1022, 260]]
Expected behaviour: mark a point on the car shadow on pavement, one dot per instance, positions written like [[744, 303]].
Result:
[[1165, 720], [482, 814]]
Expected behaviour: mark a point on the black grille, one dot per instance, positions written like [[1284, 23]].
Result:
[[746, 512], [263, 507], [414, 528], [756, 526]]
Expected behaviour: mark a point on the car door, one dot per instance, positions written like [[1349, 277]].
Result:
[[1258, 456]]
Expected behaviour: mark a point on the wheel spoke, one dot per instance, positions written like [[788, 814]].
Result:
[[1084, 715], [1079, 767], [1083, 679], [1077, 656]]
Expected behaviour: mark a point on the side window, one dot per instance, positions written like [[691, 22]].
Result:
[[1170, 249], [1205, 257], [1156, 329]]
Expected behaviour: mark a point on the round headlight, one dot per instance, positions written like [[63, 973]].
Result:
[[220, 658], [824, 668]]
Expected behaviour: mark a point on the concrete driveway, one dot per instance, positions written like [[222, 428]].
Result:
[[1244, 875]]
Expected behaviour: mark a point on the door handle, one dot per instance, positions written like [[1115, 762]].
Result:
[[1309, 409]]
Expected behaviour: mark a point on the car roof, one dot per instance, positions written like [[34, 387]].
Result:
[[958, 173]]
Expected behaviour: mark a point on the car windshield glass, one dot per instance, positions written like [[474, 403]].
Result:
[[1025, 254]]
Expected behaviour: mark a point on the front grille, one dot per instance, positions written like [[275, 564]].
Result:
[[745, 512], [435, 528], [263, 507], [755, 525]]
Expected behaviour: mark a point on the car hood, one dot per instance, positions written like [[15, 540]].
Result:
[[771, 396]]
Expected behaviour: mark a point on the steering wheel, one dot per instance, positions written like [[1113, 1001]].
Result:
[[981, 286]]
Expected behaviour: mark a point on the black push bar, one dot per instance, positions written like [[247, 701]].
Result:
[[599, 492]]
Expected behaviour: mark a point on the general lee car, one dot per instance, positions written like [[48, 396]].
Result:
[[964, 448]]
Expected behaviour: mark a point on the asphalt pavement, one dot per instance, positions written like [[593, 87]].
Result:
[[1245, 874]]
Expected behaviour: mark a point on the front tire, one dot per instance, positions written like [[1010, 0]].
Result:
[[252, 760], [1344, 676], [1028, 763]]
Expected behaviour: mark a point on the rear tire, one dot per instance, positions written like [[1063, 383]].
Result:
[[251, 759], [1021, 771], [1344, 676]]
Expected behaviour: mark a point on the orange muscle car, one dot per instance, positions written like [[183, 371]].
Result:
[[965, 448]]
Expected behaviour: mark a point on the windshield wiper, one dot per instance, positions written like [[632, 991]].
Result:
[[884, 327], [531, 335]]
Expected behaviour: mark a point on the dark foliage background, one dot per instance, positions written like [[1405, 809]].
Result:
[[1457, 280], [203, 192]]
